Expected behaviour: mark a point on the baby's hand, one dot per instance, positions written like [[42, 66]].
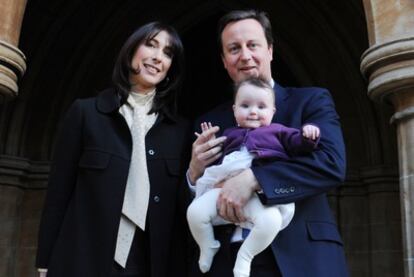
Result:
[[204, 127], [311, 132]]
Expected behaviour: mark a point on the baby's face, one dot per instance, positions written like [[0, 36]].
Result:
[[254, 107]]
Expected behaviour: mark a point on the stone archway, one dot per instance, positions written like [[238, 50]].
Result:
[[71, 47]]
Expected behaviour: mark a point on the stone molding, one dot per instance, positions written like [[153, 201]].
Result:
[[375, 177], [389, 67], [23, 173], [404, 114], [12, 67]]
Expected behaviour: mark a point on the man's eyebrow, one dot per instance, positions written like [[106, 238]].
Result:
[[232, 44]]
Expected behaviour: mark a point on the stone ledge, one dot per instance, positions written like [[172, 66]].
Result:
[[23, 173]]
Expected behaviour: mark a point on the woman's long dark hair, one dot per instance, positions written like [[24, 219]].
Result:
[[167, 89]]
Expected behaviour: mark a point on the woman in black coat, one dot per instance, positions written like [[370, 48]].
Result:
[[96, 175]]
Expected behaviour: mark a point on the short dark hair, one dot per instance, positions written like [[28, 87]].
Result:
[[256, 82], [167, 88], [238, 15]]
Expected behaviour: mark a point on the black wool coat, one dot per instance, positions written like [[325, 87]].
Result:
[[86, 189]]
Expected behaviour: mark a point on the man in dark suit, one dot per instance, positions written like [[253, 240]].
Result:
[[311, 244]]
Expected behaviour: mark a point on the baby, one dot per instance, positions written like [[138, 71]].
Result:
[[255, 138]]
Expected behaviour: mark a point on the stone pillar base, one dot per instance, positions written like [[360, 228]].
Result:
[[389, 67], [12, 67]]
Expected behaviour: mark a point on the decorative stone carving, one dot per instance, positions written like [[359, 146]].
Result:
[[389, 67], [12, 67], [12, 60]]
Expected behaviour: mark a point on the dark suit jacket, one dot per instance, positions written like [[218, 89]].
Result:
[[311, 244], [86, 189]]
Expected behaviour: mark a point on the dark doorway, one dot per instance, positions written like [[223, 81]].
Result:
[[207, 83]]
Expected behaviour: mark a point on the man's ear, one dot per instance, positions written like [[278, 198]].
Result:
[[234, 107], [224, 61], [270, 49]]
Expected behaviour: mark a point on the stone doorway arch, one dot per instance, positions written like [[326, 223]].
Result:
[[70, 49]]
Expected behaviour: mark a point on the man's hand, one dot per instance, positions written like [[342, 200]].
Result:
[[206, 149], [234, 195]]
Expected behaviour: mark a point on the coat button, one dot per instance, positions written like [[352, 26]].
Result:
[[151, 152], [156, 198]]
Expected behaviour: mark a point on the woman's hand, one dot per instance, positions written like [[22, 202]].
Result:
[[42, 272]]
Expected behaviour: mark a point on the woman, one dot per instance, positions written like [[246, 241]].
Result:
[[115, 204]]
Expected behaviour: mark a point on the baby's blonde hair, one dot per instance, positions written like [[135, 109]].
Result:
[[256, 82]]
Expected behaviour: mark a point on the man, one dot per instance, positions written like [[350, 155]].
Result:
[[310, 245]]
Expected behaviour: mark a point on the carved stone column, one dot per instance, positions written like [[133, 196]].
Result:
[[389, 67], [12, 60]]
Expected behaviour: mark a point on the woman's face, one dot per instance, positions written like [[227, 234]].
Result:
[[151, 60]]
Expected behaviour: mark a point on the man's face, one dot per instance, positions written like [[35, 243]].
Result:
[[245, 50]]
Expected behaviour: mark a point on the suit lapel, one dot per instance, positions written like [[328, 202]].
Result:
[[229, 115], [281, 104]]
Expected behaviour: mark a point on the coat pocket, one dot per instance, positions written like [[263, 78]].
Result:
[[323, 231], [92, 159]]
